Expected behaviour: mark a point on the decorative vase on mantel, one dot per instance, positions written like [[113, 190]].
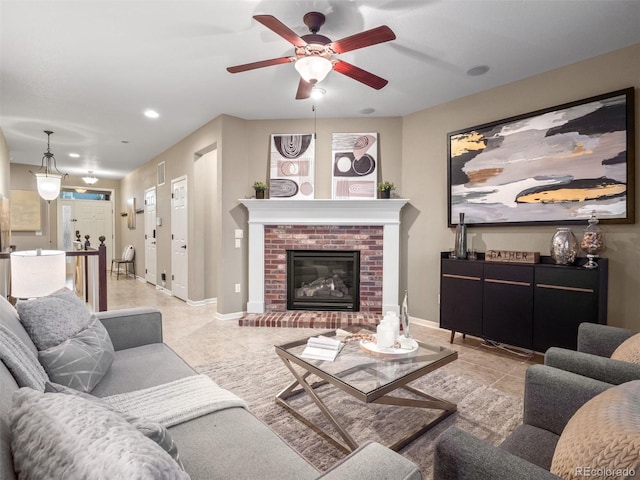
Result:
[[564, 246], [260, 194], [460, 246]]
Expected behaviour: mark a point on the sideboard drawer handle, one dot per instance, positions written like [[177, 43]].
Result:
[[461, 277], [507, 282], [560, 287]]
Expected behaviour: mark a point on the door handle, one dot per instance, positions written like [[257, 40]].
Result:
[[184, 246]]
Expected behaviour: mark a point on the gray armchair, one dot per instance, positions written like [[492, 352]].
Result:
[[551, 398], [596, 343]]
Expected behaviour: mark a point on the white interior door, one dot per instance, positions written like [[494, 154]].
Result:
[[89, 217], [179, 228], [150, 246]]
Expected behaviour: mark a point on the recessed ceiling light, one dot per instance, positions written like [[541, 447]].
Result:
[[124, 141], [367, 111], [151, 113], [478, 70], [74, 155]]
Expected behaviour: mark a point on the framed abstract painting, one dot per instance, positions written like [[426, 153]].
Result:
[[552, 166], [292, 166], [354, 165]]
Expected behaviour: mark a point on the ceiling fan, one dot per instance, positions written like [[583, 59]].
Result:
[[314, 52]]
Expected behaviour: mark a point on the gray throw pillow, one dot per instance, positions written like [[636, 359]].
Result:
[[65, 436], [149, 429], [81, 361], [50, 320]]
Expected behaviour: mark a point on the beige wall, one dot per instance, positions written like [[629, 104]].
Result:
[[5, 176], [413, 156], [241, 157], [180, 160], [424, 181], [390, 146], [5, 187]]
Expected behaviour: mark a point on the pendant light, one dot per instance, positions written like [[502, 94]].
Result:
[[90, 179], [48, 177]]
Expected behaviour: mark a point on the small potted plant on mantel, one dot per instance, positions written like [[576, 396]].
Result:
[[260, 188], [385, 189]]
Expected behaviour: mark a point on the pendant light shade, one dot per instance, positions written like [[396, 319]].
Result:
[[48, 177], [48, 185], [90, 179], [313, 68]]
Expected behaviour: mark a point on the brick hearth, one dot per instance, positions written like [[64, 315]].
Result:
[[309, 319], [280, 238]]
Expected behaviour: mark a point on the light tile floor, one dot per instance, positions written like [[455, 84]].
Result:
[[199, 338]]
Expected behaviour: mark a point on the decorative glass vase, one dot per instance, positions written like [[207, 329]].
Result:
[[404, 315], [460, 247], [564, 246], [592, 241]]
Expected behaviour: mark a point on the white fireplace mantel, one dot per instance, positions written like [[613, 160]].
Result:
[[384, 212]]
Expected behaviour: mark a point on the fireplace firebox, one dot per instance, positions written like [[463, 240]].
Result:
[[323, 280]]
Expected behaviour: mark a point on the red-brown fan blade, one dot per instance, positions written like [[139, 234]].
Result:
[[304, 89], [272, 23], [359, 74], [363, 39], [263, 63]]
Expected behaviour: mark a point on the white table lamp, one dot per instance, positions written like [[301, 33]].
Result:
[[37, 273]]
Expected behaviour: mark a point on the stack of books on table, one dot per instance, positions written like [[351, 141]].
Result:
[[322, 348]]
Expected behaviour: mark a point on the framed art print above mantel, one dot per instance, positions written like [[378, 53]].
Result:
[[551, 166]]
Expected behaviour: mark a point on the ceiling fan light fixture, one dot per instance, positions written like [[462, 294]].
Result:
[[313, 68], [317, 93], [90, 179]]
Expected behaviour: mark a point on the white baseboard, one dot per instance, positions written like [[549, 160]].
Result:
[[202, 303], [423, 323], [229, 316]]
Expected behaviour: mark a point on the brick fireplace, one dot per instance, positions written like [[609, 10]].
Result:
[[280, 238], [371, 226]]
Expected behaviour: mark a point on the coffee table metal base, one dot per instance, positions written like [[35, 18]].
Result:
[[349, 444]]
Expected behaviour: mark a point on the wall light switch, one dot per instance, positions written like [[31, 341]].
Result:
[[238, 243], [239, 233], [237, 288]]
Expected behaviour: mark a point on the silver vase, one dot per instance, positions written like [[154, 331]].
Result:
[[564, 246]]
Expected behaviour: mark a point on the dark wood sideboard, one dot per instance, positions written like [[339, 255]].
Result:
[[532, 306]]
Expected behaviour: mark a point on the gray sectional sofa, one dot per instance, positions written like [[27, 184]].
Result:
[[229, 443]]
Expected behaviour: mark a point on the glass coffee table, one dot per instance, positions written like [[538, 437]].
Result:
[[367, 377]]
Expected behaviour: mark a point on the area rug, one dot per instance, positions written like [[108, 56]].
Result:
[[483, 411]]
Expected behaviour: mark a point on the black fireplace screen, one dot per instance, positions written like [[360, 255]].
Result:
[[323, 280]]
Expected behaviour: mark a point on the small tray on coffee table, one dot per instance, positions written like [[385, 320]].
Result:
[[374, 349]]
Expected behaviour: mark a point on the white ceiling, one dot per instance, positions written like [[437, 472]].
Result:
[[88, 69]]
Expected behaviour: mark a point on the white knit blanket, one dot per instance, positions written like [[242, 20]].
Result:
[[176, 402], [21, 361]]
